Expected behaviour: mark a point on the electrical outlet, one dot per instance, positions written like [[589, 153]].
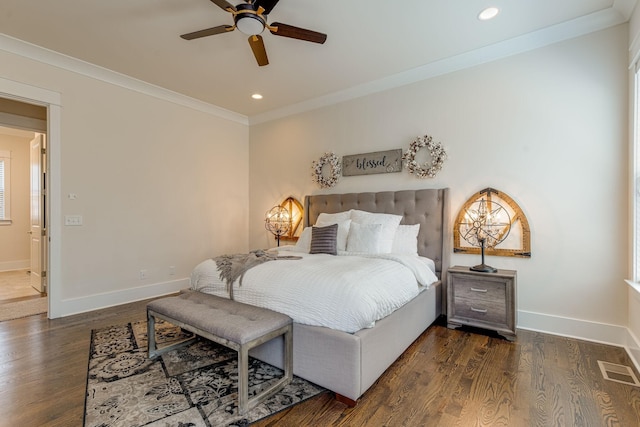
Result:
[[73, 220], [143, 274], [172, 270]]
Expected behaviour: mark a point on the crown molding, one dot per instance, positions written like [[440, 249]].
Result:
[[68, 63], [617, 14], [624, 7]]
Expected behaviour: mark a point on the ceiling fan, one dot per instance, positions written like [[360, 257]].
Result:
[[251, 19]]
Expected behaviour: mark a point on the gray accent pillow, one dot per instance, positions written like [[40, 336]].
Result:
[[324, 240]]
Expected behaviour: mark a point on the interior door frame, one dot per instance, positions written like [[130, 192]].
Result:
[[53, 102]]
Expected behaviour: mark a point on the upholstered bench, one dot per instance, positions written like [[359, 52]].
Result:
[[230, 323]]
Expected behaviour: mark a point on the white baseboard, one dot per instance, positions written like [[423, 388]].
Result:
[[109, 299], [616, 335], [15, 265], [633, 348]]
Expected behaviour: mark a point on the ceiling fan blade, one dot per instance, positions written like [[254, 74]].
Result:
[[208, 32], [267, 5], [290, 31], [224, 5], [257, 46]]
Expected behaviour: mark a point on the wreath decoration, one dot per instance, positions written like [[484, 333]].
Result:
[[430, 168], [329, 158]]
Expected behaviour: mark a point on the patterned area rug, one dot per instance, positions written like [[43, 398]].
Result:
[[192, 386]]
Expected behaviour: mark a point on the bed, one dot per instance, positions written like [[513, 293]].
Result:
[[348, 359]]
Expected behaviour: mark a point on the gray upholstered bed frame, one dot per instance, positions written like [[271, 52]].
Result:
[[348, 364]]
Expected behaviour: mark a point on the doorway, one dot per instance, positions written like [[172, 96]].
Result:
[[23, 242], [52, 101]]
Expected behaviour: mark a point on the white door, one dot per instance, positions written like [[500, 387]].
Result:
[[38, 226]]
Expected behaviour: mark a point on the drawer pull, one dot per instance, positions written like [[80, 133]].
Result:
[[478, 310], [478, 290]]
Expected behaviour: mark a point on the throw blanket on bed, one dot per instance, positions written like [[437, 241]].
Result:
[[232, 267]]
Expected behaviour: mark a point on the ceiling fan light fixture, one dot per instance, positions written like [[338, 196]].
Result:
[[250, 25], [250, 18], [488, 13]]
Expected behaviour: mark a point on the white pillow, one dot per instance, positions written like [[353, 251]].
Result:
[[365, 238], [304, 241], [389, 226], [405, 240], [333, 218], [343, 230]]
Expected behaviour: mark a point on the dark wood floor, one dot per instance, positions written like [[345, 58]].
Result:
[[446, 378]]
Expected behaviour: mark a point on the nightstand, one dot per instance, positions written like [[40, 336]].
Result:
[[483, 300]]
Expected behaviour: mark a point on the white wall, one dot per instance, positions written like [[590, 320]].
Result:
[[158, 184], [548, 127], [14, 240]]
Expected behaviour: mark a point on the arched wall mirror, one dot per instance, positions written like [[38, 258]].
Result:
[[295, 213]]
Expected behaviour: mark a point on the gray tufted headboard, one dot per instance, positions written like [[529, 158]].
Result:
[[429, 208]]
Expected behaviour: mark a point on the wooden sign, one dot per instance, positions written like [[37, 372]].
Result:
[[372, 163]]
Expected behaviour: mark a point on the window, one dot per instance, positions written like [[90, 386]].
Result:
[[5, 187], [634, 184]]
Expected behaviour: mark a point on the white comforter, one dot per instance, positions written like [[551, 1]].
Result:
[[348, 292]]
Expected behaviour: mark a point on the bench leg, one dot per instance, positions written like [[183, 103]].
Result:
[[152, 348], [288, 355], [243, 380], [151, 335], [244, 403]]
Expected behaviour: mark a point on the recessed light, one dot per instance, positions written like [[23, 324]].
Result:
[[256, 96], [488, 13]]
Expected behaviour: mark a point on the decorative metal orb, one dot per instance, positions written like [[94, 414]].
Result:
[[485, 219], [277, 221]]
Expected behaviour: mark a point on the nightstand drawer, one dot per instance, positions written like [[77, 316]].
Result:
[[470, 289], [480, 309]]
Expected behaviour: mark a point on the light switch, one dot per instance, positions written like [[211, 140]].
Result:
[[73, 220]]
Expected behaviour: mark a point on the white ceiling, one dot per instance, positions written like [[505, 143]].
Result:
[[368, 41]]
